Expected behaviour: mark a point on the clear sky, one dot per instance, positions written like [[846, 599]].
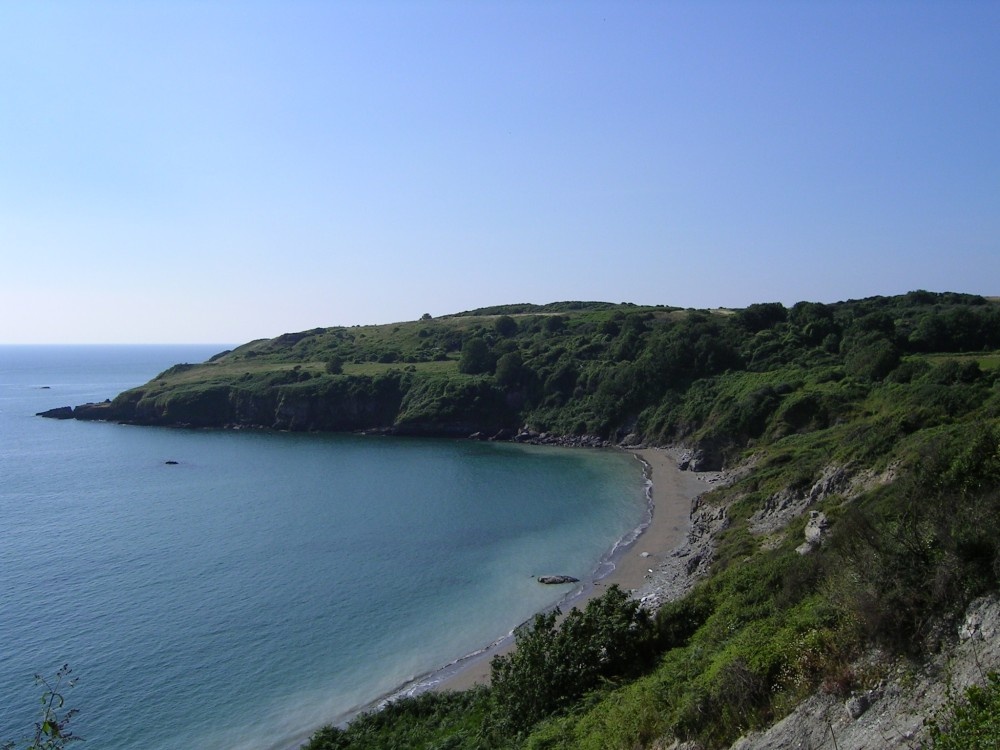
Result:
[[222, 171]]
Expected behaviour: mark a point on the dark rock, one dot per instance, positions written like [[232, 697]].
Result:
[[557, 579], [706, 458], [101, 411], [170, 463], [63, 412], [856, 705]]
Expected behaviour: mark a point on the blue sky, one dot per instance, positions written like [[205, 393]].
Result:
[[223, 171]]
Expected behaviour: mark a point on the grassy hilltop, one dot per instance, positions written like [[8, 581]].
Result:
[[717, 378], [881, 414]]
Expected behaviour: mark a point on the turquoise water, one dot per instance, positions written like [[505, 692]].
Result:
[[268, 583]]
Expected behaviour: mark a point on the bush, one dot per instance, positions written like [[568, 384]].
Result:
[[335, 365], [476, 357], [505, 326], [430, 720], [971, 722], [553, 665]]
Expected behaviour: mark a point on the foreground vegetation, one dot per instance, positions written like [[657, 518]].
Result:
[[883, 414]]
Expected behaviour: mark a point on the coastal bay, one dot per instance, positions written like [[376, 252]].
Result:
[[304, 568], [671, 493]]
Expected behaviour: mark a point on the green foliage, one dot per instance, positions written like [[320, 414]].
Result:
[[872, 359], [505, 326], [927, 544], [476, 357], [970, 722], [555, 323], [430, 721], [758, 317], [443, 405], [52, 729], [608, 369], [554, 664], [335, 365], [510, 370]]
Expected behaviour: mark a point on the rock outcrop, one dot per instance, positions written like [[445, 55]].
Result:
[[552, 580], [892, 713], [61, 412]]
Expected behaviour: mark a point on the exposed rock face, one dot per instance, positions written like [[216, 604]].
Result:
[[689, 562], [706, 457], [816, 528], [892, 713], [101, 411], [790, 503]]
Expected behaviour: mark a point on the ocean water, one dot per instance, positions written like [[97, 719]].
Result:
[[267, 583]]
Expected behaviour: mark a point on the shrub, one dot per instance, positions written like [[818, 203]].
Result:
[[971, 722], [52, 729], [335, 365], [554, 664], [476, 357]]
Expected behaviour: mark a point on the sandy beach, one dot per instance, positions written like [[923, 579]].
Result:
[[672, 492]]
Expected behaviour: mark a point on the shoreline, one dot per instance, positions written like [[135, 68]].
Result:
[[632, 564], [670, 493]]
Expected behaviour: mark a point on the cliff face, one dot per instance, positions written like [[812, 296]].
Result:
[[397, 404], [283, 408]]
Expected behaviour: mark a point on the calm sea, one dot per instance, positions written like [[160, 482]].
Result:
[[267, 583]]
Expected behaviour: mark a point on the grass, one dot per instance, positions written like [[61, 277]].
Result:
[[987, 361]]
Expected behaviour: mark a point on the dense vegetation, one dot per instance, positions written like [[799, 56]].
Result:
[[882, 413]]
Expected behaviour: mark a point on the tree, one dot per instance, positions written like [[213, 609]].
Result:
[[760, 316], [553, 664], [555, 323], [505, 326], [510, 368], [335, 365], [476, 357]]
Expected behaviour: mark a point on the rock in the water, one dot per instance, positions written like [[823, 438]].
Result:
[[63, 412], [170, 463], [557, 579]]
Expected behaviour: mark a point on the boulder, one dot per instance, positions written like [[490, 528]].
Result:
[[816, 528], [557, 579]]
